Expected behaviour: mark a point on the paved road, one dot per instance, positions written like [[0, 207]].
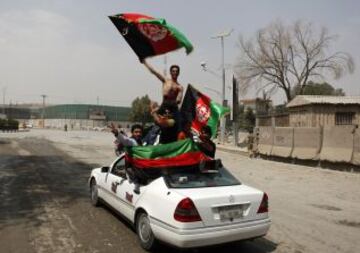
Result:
[[45, 207]]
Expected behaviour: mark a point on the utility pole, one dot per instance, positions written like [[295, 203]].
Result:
[[221, 36], [4, 93], [43, 110], [235, 114]]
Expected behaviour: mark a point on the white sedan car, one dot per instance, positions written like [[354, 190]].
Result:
[[185, 207]]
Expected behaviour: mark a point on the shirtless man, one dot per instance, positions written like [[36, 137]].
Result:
[[172, 91]]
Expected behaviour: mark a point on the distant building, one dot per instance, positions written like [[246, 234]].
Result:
[[258, 105], [75, 115], [314, 111], [14, 111]]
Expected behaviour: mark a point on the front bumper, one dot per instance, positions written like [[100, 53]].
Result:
[[188, 238]]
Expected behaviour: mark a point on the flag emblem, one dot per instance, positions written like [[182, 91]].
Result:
[[153, 32], [202, 113]]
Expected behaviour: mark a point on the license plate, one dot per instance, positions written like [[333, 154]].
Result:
[[231, 212]]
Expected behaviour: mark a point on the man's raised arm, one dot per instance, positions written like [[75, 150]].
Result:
[[153, 71]]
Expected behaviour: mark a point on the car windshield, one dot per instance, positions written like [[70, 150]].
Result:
[[193, 177]]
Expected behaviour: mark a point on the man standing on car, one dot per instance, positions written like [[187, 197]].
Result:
[[172, 91]]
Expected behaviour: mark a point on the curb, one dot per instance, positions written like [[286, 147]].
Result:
[[232, 150]]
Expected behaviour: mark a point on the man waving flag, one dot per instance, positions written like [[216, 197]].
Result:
[[200, 110]]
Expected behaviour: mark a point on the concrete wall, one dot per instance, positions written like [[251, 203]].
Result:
[[335, 144], [338, 144], [265, 140], [356, 154], [307, 143], [283, 141]]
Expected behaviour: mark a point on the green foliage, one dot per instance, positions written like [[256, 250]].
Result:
[[312, 88], [9, 124], [140, 111]]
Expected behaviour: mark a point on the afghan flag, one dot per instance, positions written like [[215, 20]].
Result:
[[200, 110], [175, 154], [149, 36]]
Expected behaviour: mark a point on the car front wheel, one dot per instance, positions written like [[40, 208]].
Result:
[[94, 193], [144, 232]]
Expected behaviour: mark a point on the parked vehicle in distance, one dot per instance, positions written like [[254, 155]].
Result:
[[185, 207]]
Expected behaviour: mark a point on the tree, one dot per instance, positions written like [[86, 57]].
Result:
[[312, 88], [140, 111], [281, 57]]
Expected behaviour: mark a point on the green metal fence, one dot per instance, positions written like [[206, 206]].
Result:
[[83, 111]]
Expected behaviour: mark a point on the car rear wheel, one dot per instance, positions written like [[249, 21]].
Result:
[[94, 193], [144, 232]]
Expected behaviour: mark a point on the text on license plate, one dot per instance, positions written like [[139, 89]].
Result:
[[231, 212]]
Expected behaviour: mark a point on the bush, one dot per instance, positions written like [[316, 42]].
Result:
[[9, 125]]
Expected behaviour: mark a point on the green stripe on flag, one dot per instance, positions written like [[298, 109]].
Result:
[[217, 111], [163, 151], [186, 159]]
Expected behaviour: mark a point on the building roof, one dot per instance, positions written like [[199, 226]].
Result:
[[302, 100]]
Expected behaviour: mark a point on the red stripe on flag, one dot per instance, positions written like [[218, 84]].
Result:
[[186, 159], [134, 17]]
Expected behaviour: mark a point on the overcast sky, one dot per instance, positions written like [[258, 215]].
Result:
[[70, 51]]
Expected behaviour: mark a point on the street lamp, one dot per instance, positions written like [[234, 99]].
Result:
[[221, 36], [204, 66]]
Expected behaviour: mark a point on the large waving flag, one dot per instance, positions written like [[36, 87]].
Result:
[[200, 110], [149, 36], [175, 154]]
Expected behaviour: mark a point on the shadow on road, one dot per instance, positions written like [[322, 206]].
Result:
[[30, 184]]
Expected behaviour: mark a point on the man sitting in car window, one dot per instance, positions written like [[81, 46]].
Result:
[[134, 140]]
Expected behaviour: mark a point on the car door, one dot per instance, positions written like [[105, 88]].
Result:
[[120, 189], [114, 179], [128, 197]]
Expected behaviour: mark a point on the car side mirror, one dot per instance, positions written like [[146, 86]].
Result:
[[105, 169]]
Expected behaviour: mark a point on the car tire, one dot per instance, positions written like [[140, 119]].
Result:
[[94, 193], [144, 232]]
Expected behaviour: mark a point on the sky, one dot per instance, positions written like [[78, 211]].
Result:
[[72, 53]]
